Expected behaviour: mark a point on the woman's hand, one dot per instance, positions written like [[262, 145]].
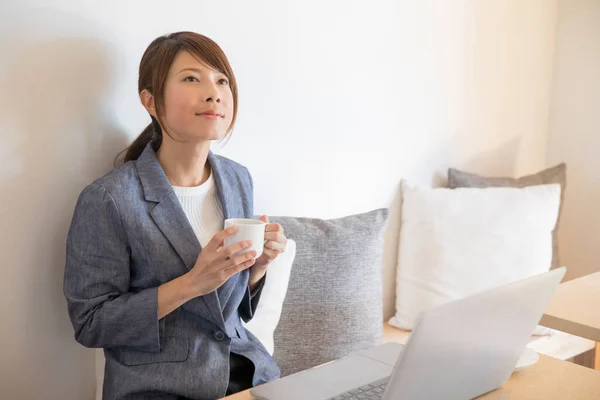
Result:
[[273, 247], [213, 267]]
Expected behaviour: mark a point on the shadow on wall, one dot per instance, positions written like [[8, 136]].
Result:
[[60, 137], [500, 161], [573, 137], [432, 170]]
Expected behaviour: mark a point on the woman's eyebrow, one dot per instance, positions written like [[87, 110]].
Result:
[[191, 69], [199, 70]]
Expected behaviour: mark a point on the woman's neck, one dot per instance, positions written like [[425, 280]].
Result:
[[185, 164]]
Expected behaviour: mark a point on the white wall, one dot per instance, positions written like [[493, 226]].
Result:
[[339, 101], [574, 134]]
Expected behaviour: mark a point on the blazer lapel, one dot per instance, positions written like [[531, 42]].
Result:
[[231, 202], [226, 183], [173, 223]]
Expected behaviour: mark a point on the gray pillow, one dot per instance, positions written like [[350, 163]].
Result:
[[556, 174], [333, 306]]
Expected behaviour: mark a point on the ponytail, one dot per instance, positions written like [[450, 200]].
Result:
[[151, 134]]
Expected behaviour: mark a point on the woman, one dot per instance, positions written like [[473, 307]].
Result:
[[147, 277]]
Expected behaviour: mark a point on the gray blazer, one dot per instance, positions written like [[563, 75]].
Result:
[[129, 235]]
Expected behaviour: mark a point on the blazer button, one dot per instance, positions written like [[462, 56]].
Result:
[[219, 335]]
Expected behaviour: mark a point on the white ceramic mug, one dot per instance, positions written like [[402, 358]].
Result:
[[248, 229]]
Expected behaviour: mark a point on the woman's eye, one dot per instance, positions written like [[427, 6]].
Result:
[[225, 80], [190, 79]]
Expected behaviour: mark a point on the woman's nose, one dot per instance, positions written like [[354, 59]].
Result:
[[213, 93]]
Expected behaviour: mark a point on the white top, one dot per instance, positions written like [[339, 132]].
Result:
[[202, 208]]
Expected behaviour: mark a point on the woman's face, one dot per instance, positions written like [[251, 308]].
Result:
[[191, 89]]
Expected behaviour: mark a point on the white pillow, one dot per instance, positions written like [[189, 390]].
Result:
[[268, 312], [457, 242]]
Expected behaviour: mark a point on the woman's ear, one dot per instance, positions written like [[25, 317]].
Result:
[[147, 100]]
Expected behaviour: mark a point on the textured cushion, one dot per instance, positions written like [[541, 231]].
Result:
[[268, 312], [333, 305], [556, 174], [457, 242]]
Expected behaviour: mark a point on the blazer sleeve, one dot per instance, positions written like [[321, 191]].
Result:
[[250, 302], [103, 310]]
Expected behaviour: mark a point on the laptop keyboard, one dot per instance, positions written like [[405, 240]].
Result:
[[372, 391]]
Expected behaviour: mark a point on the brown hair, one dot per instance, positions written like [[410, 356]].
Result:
[[153, 71]]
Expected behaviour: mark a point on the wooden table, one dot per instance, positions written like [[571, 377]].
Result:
[[549, 378], [575, 308]]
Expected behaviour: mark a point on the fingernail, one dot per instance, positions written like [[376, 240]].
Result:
[[248, 243]]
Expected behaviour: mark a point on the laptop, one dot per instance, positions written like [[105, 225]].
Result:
[[459, 350]]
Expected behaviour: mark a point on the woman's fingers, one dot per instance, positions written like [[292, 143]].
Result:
[[274, 229], [271, 254], [276, 240], [234, 248], [273, 235], [219, 238], [239, 259], [274, 246], [240, 266], [276, 237]]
